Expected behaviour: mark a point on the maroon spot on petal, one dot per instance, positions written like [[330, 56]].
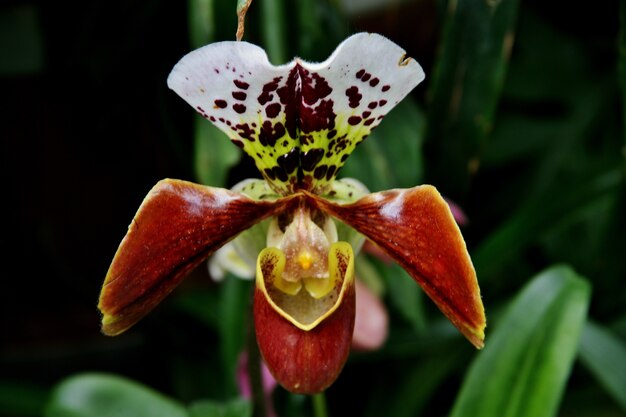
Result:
[[372, 105], [369, 121], [354, 120], [344, 157], [319, 172], [212, 119], [385, 88], [272, 110], [354, 97], [280, 173], [245, 131], [366, 114], [270, 133], [331, 171], [239, 108], [216, 70], [374, 82], [241, 84], [289, 161], [239, 95], [200, 109], [310, 158], [366, 76], [314, 87], [265, 97], [318, 118], [269, 174], [221, 104], [382, 102], [331, 134], [237, 142], [290, 98], [360, 73]]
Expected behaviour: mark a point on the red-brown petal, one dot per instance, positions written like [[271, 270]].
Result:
[[416, 228], [304, 362], [303, 358], [178, 225]]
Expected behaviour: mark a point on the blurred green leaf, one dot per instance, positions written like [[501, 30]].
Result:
[[273, 30], [527, 360], [234, 312], [102, 395], [467, 81], [416, 387], [391, 157], [21, 42], [524, 226], [405, 295], [236, 408], [214, 154], [21, 400], [605, 356], [201, 22], [622, 60]]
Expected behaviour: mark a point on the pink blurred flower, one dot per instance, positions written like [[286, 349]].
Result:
[[372, 322]]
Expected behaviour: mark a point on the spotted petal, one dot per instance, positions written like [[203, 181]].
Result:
[[178, 225], [416, 228], [299, 121]]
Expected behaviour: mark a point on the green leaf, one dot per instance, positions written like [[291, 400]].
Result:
[[524, 367], [234, 310], [391, 157], [214, 154], [102, 395], [236, 408], [201, 22], [18, 399], [404, 294], [523, 227], [466, 86], [622, 57], [21, 40], [273, 30], [605, 356]]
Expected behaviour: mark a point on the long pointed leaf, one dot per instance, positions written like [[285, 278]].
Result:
[[523, 370], [605, 356]]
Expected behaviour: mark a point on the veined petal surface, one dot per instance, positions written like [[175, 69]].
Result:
[[416, 228], [299, 121], [178, 225]]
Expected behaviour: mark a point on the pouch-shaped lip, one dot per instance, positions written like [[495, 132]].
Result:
[[340, 262]]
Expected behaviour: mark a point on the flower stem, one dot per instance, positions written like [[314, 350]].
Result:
[[259, 407], [319, 405]]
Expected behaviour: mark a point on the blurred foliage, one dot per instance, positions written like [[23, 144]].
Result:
[[520, 121]]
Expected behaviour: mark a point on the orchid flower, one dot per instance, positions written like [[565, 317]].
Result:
[[299, 122]]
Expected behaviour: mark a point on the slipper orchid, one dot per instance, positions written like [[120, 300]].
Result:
[[299, 122]]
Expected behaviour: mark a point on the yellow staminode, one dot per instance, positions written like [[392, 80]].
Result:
[[306, 309], [305, 259]]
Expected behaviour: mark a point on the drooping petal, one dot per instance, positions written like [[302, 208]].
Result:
[[305, 347], [416, 228], [178, 225], [299, 121]]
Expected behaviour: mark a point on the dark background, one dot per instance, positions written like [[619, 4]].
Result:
[[88, 126]]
